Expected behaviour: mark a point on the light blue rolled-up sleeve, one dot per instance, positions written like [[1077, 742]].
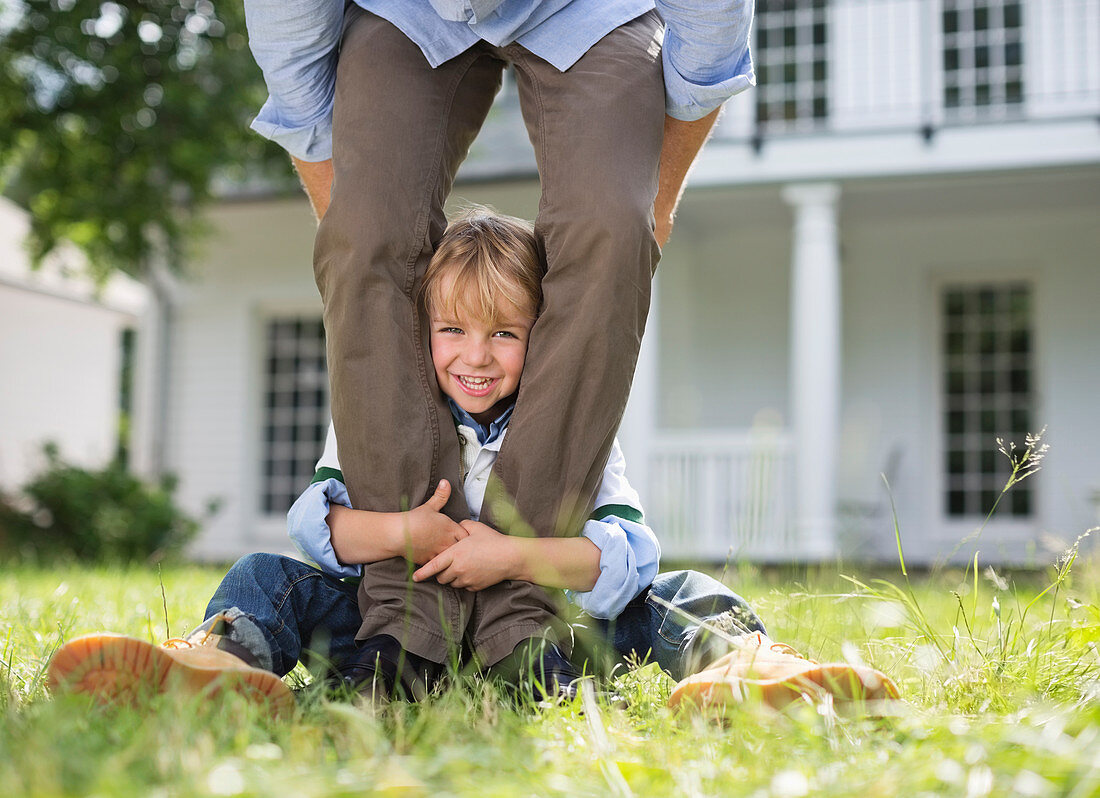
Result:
[[306, 522], [629, 558], [706, 54], [296, 47]]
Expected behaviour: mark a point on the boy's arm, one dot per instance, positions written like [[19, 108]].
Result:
[[486, 557], [338, 539], [362, 536], [601, 572]]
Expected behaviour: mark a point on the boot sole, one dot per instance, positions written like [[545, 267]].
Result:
[[844, 683], [119, 669]]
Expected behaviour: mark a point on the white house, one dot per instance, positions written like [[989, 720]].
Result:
[[887, 258], [60, 354]]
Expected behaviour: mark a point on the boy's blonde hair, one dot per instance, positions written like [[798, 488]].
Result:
[[492, 264]]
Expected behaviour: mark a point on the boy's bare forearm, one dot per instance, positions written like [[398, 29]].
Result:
[[569, 563], [360, 536]]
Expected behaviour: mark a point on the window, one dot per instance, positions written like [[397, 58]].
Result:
[[982, 54], [988, 389], [791, 64], [295, 408]]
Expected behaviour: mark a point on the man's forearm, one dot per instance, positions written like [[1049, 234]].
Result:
[[316, 179], [683, 141]]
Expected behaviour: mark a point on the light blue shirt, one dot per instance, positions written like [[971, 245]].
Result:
[[705, 53]]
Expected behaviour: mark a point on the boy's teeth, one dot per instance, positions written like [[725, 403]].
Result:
[[475, 382]]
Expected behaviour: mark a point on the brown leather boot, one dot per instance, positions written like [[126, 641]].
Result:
[[759, 669], [119, 669]]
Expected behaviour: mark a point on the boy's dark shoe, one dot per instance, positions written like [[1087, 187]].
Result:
[[537, 668], [381, 669]]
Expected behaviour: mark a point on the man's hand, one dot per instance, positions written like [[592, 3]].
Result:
[[482, 559], [425, 531]]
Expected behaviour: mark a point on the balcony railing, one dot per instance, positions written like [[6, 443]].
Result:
[[917, 65], [720, 495]]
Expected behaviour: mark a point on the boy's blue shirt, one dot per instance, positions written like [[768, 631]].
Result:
[[629, 551], [484, 434]]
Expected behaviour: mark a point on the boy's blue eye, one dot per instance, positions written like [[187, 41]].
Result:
[[504, 332]]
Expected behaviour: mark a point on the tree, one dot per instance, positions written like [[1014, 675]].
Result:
[[115, 118]]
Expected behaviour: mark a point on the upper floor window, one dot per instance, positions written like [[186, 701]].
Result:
[[791, 63], [295, 412], [988, 393], [982, 54]]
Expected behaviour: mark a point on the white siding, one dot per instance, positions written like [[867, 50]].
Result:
[[59, 355], [259, 262], [724, 347], [1062, 55], [60, 360], [879, 54]]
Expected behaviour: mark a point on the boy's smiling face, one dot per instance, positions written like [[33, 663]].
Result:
[[479, 364]]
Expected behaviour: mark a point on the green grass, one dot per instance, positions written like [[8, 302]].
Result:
[[995, 704]]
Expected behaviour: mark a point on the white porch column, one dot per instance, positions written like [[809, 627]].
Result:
[[639, 425], [815, 365]]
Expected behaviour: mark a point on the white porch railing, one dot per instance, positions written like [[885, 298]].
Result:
[[714, 495]]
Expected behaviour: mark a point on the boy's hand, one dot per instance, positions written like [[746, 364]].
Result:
[[424, 531], [482, 559]]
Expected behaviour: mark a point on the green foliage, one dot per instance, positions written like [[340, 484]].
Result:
[[107, 514], [115, 117]]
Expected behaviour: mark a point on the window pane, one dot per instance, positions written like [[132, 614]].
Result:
[[982, 56], [987, 381], [792, 74], [296, 409]]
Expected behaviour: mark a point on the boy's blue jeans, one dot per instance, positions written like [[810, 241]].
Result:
[[281, 607]]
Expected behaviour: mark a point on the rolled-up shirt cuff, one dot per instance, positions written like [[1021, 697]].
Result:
[[688, 98], [312, 142], [629, 558], [308, 527]]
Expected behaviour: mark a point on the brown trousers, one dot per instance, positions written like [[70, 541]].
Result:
[[400, 131]]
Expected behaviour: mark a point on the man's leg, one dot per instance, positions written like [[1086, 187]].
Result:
[[516, 632], [400, 131], [597, 130]]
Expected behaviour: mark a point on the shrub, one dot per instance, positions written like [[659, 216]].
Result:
[[107, 514]]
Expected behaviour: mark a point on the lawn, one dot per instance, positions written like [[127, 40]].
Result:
[[1000, 674]]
